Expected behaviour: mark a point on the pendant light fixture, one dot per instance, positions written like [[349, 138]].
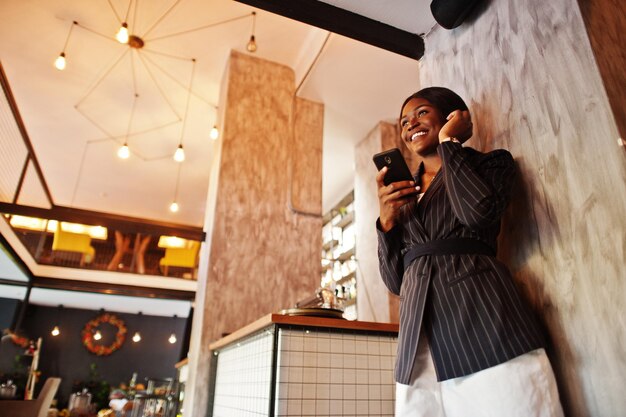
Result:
[[60, 63], [56, 331], [125, 30], [172, 339], [137, 336], [214, 133], [124, 152], [122, 34], [179, 155], [174, 206], [251, 47]]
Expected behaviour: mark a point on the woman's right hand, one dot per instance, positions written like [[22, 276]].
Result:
[[392, 197]]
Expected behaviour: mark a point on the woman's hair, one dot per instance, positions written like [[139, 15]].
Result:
[[443, 98]]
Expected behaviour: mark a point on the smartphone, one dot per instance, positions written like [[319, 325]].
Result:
[[397, 169]]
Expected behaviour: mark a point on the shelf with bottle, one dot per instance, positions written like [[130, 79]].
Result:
[[338, 263]]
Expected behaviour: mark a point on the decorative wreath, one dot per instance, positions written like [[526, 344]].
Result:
[[91, 327], [20, 341]]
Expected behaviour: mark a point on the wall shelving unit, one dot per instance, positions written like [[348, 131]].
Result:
[[338, 271]]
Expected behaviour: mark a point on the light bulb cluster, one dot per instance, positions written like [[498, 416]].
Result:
[[97, 335], [123, 36]]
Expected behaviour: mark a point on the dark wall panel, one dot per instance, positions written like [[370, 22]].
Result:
[[66, 357]]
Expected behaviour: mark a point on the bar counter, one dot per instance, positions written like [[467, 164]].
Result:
[[283, 365]]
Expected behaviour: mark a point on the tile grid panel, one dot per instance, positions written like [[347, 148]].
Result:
[[335, 374], [243, 377]]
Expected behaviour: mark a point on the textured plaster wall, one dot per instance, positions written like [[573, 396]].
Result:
[[528, 72]]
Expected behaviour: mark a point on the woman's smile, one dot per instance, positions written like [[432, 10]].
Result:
[[421, 123]]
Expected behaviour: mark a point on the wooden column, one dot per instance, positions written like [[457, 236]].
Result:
[[264, 225]]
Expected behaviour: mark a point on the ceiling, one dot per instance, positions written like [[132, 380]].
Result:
[[77, 118]]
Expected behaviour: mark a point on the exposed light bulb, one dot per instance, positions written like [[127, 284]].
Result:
[[179, 155], [122, 34], [136, 337], [214, 133], [55, 332], [174, 207], [251, 47], [172, 338], [123, 152], [59, 63], [97, 335]]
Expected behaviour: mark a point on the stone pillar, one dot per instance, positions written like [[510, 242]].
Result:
[[263, 216], [374, 301]]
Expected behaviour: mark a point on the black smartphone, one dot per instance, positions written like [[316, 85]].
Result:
[[397, 169]]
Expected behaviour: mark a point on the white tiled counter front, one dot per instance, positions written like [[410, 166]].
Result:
[[305, 366]]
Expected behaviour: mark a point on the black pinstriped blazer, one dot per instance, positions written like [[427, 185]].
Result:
[[472, 313]]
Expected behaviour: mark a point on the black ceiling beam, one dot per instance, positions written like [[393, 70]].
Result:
[[112, 289], [346, 23], [124, 224]]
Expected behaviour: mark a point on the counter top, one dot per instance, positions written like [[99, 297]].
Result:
[[311, 321]]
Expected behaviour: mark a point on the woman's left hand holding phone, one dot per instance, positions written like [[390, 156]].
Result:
[[392, 197]]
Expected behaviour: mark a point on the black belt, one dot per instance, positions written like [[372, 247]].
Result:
[[460, 246]]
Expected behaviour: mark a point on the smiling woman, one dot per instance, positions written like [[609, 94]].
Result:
[[464, 328]]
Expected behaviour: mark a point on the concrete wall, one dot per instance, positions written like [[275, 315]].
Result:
[[528, 72], [261, 256]]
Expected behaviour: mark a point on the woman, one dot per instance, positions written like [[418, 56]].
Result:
[[468, 345]]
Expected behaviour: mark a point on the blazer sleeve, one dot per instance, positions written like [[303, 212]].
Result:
[[390, 261], [478, 188]]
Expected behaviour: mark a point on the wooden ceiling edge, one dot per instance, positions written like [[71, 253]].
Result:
[[346, 23], [112, 289], [114, 221], [8, 93]]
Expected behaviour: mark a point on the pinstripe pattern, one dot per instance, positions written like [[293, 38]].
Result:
[[471, 311]]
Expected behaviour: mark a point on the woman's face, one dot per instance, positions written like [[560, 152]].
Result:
[[421, 123]]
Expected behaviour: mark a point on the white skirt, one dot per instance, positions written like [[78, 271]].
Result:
[[521, 387]]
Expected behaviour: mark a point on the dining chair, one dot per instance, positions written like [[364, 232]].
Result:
[[32, 408]]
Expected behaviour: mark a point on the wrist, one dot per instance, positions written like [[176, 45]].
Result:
[[449, 139]]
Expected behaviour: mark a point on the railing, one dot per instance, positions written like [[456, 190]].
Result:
[[64, 244]]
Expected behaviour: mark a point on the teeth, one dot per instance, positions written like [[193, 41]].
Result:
[[416, 134]]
